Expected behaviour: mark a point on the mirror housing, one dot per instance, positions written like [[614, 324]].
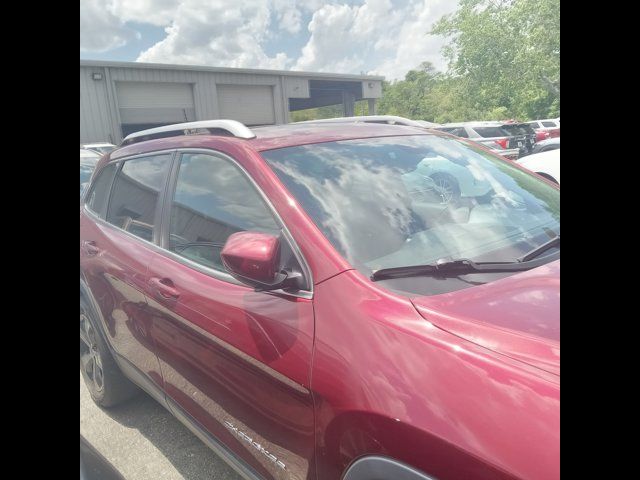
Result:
[[254, 259]]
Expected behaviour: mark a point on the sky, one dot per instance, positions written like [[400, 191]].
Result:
[[377, 37]]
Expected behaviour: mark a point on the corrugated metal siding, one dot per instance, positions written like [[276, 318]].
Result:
[[296, 87], [101, 114], [249, 104], [95, 112], [371, 89]]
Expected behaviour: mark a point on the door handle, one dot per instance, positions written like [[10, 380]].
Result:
[[90, 248], [164, 288]]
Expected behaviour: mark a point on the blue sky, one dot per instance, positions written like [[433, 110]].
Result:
[[383, 37]]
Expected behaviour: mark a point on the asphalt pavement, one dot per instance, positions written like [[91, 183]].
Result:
[[143, 441]]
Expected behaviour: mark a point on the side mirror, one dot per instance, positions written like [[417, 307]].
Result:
[[254, 259]]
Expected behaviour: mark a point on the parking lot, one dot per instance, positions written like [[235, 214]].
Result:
[[144, 441]]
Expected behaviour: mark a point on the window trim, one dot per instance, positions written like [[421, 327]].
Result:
[[165, 198]]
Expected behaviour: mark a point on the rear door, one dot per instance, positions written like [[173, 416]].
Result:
[[117, 225], [235, 361]]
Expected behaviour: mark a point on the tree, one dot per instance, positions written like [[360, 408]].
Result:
[[507, 55], [411, 97]]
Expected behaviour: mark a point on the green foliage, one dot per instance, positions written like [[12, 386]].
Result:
[[504, 62], [361, 108]]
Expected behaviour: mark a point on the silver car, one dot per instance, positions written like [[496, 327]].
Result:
[[503, 138]]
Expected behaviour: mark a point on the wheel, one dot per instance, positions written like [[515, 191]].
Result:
[[104, 380], [446, 187]]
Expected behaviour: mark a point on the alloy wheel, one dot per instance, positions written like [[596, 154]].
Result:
[[90, 359]]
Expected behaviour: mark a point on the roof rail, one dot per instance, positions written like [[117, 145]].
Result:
[[389, 119], [232, 127]]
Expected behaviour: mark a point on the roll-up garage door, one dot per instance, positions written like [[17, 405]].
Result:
[[249, 104], [155, 103]]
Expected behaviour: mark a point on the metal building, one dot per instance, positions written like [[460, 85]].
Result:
[[118, 98]]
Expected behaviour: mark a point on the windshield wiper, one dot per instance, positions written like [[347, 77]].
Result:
[[449, 269], [453, 268], [554, 242]]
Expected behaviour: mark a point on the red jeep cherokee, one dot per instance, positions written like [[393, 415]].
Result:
[[321, 301]]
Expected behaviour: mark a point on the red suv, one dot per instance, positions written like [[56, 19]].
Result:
[[321, 301]]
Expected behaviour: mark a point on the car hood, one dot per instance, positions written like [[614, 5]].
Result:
[[517, 316]]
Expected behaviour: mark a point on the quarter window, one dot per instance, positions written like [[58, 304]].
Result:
[[212, 200], [97, 198], [135, 194]]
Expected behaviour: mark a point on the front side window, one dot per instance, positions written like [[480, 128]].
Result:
[[400, 201], [549, 124], [212, 200], [134, 199]]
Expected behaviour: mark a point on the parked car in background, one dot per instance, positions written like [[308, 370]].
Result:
[[549, 127], [521, 131], [88, 162], [491, 135], [99, 148], [546, 145], [546, 164], [329, 301], [511, 154]]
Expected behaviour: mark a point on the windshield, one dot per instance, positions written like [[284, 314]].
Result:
[[398, 201]]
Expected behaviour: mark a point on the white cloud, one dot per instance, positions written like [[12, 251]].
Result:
[[288, 15], [225, 33], [412, 43], [385, 37], [155, 12], [377, 36], [100, 30]]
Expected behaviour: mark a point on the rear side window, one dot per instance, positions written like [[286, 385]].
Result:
[[135, 194], [489, 132], [212, 200], [97, 197], [549, 124]]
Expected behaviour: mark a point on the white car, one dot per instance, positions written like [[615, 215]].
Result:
[[99, 148], [546, 164], [88, 162]]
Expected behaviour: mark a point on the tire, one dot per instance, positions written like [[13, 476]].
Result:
[[104, 380], [448, 188]]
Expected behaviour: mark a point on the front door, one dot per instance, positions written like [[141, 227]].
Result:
[[235, 360]]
